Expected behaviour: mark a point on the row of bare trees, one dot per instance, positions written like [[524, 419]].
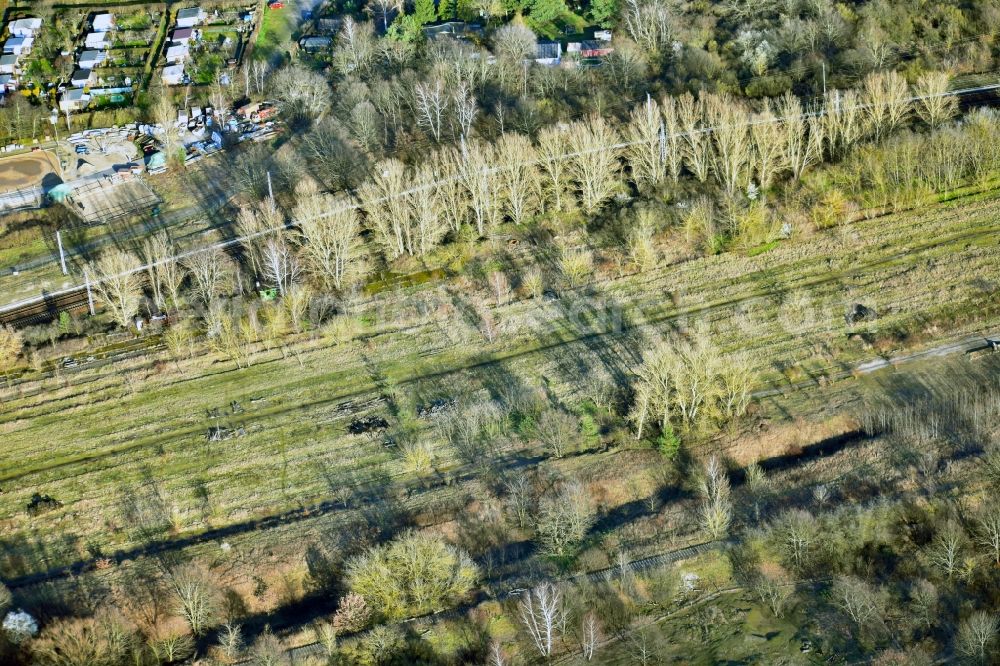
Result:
[[410, 209]]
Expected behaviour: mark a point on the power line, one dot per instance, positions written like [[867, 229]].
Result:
[[488, 171]]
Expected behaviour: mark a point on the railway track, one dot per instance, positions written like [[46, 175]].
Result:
[[47, 309]]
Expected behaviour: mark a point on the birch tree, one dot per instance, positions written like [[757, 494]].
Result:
[[355, 50], [593, 161], [281, 266], [716, 505], [430, 101], [464, 102], [542, 614], [976, 634], [649, 24], [590, 635], [118, 281]]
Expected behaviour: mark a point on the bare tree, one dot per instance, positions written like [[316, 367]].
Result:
[[551, 149], [716, 506], [798, 532], [641, 248], [476, 171], [464, 102], [558, 431], [259, 71], [330, 227], [430, 101], [859, 601], [689, 383], [935, 105], [267, 650], [647, 152], [593, 161], [520, 499], [211, 272], [256, 224], [649, 23], [541, 611], [118, 281], [497, 656], [514, 42], [518, 178], [803, 140], [280, 265], [769, 153], [565, 518], [948, 548], [355, 51], [887, 102], [772, 592], [387, 210], [590, 635], [301, 91], [427, 210], [166, 274], [845, 122], [988, 532], [731, 139], [447, 164], [697, 145], [672, 140], [231, 642], [383, 10], [196, 595], [976, 634]]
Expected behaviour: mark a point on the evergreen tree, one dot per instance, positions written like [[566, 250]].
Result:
[[424, 12]]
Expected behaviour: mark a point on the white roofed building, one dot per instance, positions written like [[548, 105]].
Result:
[[26, 27]]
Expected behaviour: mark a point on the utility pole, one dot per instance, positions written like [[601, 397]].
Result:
[[270, 192], [90, 295], [62, 255]]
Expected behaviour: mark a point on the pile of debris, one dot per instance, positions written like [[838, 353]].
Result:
[[367, 424], [436, 407]]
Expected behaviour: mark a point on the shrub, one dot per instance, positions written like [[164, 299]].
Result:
[[413, 575]]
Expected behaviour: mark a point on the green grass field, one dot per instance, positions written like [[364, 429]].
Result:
[[93, 439]]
